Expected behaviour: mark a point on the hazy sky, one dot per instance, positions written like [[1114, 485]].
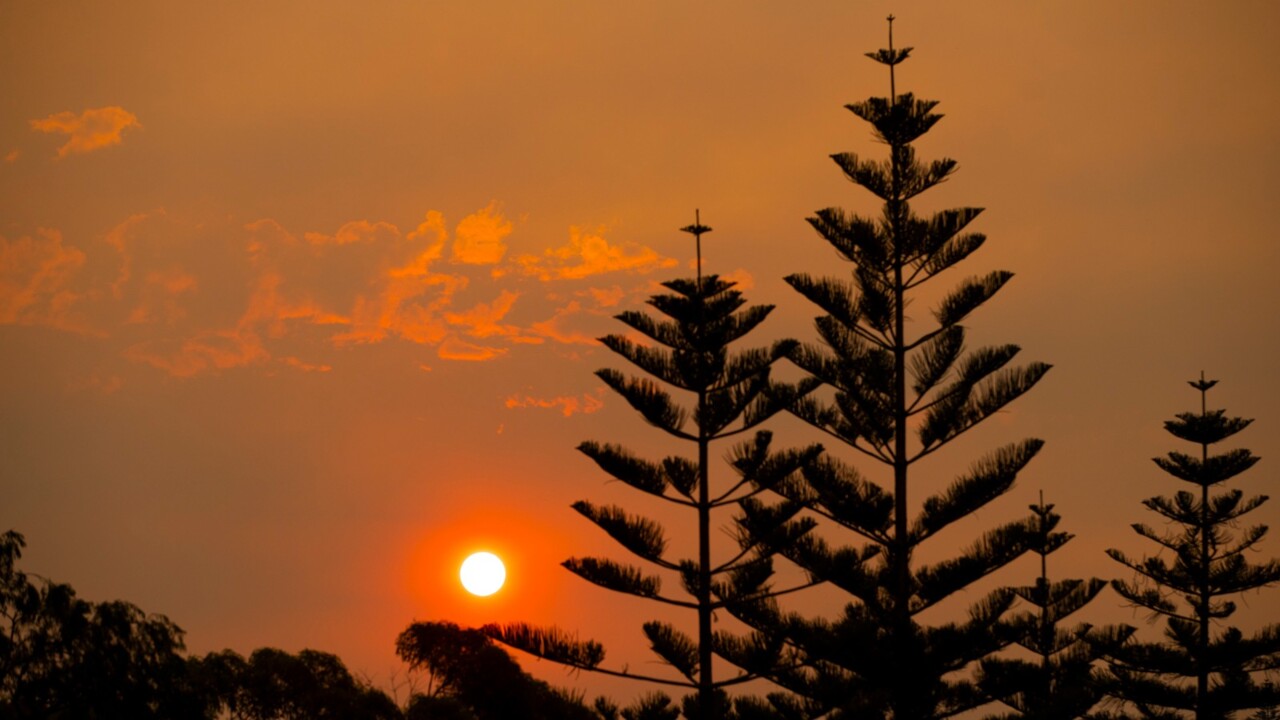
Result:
[[298, 299]]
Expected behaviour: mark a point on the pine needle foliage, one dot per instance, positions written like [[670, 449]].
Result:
[[897, 392], [688, 350], [1062, 682], [1202, 669]]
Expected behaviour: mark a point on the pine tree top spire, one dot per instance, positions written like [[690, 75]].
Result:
[[891, 58], [1203, 386], [893, 90], [696, 230]]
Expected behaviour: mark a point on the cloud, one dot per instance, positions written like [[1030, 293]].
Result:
[[357, 231], [305, 366], [607, 297], [12, 156], [482, 320], [35, 281], [454, 348], [588, 254], [120, 237], [557, 327], [741, 279], [431, 228], [159, 297], [568, 405], [190, 296], [208, 351], [479, 237], [91, 130]]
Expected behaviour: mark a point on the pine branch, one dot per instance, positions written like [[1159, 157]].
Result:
[[674, 647], [640, 536], [992, 551], [620, 578], [649, 400], [988, 479]]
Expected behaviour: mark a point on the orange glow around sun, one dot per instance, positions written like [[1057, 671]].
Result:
[[534, 585]]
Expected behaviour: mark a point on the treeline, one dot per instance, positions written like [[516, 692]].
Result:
[[66, 658]]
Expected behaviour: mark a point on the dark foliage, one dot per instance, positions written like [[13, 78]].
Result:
[[1062, 682], [895, 393], [688, 349], [64, 657], [469, 674], [275, 685], [1203, 669]]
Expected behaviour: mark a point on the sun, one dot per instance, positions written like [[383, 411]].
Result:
[[482, 573]]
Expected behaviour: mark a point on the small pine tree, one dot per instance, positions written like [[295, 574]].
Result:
[[1197, 672], [897, 398], [733, 394], [1062, 683]]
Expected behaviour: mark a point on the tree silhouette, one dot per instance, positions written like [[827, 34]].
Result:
[[471, 677], [733, 394], [1062, 683], [877, 659], [272, 684], [1197, 671], [64, 657]]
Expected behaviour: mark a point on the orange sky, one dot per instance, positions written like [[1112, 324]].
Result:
[[297, 299]]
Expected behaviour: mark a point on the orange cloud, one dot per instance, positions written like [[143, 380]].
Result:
[[589, 254], [210, 350], [35, 278], [357, 231], [569, 405], [305, 366], [159, 297], [607, 297], [91, 130], [119, 238], [12, 156], [454, 348], [482, 320], [555, 327], [742, 279], [479, 238], [431, 228]]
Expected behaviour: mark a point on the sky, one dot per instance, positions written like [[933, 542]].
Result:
[[298, 300]]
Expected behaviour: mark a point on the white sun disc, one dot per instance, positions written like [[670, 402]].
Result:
[[483, 573]]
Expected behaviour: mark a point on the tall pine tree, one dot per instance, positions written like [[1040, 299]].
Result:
[[1061, 682], [1201, 670], [899, 392], [732, 395]]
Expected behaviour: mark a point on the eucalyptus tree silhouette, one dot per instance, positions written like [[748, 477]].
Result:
[[469, 676], [885, 385], [1062, 681], [1196, 671], [733, 394], [63, 656]]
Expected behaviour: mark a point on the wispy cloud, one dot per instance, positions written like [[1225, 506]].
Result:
[[559, 327], [480, 238], [587, 254], [305, 366], [454, 348], [36, 276], [93, 129], [193, 296], [482, 319], [568, 405]]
